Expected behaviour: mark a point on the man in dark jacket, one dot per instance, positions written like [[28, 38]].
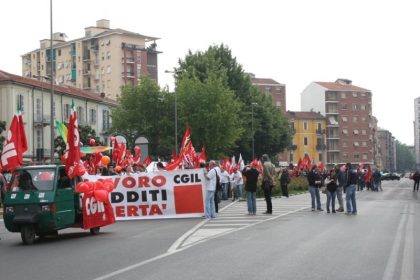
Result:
[[416, 178], [350, 189], [315, 181], [284, 181]]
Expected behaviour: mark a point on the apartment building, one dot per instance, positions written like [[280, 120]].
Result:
[[309, 137], [388, 150], [271, 88], [34, 98], [101, 62], [348, 111]]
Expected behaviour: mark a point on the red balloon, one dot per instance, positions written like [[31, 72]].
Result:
[[101, 195], [136, 148], [99, 185], [109, 186], [91, 186], [80, 170], [82, 187], [92, 142]]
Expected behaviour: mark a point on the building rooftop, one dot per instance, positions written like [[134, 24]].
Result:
[[337, 86], [264, 81], [65, 90], [304, 115]]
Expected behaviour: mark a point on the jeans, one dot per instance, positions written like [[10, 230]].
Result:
[[351, 199], [267, 195], [416, 183], [210, 207], [237, 191], [225, 187], [284, 191], [314, 191], [251, 200], [331, 200], [339, 192]]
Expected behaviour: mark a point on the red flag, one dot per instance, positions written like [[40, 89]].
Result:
[[10, 158], [241, 163], [174, 165], [23, 145], [186, 142], [203, 157], [73, 144], [368, 176]]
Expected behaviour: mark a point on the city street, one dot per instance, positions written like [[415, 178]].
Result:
[[293, 243]]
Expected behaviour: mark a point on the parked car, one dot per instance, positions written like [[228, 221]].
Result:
[[390, 176]]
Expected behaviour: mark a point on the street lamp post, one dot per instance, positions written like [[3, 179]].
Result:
[[52, 83], [252, 128], [41, 78], [176, 117]]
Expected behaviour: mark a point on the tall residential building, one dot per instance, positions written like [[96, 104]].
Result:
[[417, 131], [272, 88], [34, 99], [388, 150], [309, 137], [102, 61], [348, 110]]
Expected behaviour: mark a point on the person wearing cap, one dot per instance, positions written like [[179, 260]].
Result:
[[251, 175], [268, 182]]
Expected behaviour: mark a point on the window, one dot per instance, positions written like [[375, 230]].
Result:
[[319, 126], [108, 69], [364, 156], [59, 52], [80, 114], [363, 107], [344, 118], [278, 103], [39, 138], [343, 95], [105, 120], [363, 131], [364, 144], [354, 107], [356, 157], [345, 131], [355, 119], [345, 156], [345, 145], [363, 94], [38, 109], [344, 106], [363, 119], [92, 116], [278, 88], [20, 102], [354, 94], [356, 144], [320, 157], [66, 112], [305, 141], [108, 55], [305, 126], [291, 157], [356, 132], [103, 56]]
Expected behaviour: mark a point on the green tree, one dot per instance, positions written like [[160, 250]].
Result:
[[2, 128], [211, 111], [146, 110], [405, 159], [270, 127], [86, 133]]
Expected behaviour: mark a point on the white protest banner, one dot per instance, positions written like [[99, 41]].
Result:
[[156, 195]]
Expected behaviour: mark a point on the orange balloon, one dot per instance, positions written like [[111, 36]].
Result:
[[105, 160]]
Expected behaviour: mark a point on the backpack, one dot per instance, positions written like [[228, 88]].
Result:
[[218, 184]]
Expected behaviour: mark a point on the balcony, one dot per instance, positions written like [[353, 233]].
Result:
[[321, 147], [41, 120], [128, 75], [86, 72], [128, 60]]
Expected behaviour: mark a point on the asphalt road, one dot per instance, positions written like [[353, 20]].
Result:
[[293, 243]]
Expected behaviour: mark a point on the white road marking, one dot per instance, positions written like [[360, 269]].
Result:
[[393, 257], [407, 270]]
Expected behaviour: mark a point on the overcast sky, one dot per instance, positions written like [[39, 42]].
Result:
[[376, 44]]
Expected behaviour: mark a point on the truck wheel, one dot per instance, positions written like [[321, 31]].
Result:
[[94, 230], [27, 232]]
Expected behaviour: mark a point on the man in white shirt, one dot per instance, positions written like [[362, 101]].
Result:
[[224, 180], [210, 190]]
